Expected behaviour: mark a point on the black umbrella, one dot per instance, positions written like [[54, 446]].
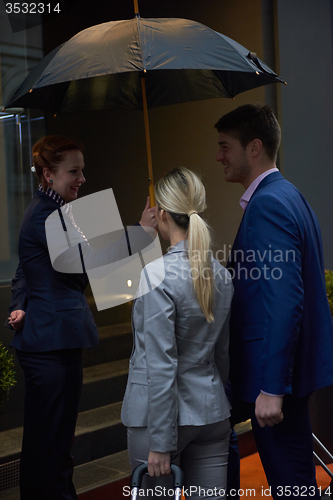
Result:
[[141, 63]]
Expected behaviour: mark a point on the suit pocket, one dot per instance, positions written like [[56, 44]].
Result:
[[182, 321], [253, 332], [139, 377], [67, 304]]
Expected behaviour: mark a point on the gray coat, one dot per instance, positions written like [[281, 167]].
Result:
[[179, 360]]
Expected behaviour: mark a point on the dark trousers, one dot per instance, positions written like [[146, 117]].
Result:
[[285, 450], [53, 383]]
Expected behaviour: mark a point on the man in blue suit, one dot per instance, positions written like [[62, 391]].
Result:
[[281, 333]]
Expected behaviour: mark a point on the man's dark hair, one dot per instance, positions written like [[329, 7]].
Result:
[[253, 121]]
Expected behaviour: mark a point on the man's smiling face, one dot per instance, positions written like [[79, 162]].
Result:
[[234, 158]]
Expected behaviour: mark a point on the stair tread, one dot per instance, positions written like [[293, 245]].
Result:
[[103, 416], [11, 441], [101, 471], [105, 370], [243, 427], [90, 475], [88, 421], [114, 330], [99, 430]]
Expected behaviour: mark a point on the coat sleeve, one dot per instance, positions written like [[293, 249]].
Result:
[[159, 311], [222, 352], [274, 233]]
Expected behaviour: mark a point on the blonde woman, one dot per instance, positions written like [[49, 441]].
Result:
[[175, 406]]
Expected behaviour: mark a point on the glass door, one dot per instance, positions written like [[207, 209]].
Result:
[[18, 131]]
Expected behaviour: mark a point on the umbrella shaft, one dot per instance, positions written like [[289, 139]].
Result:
[[148, 145], [136, 7]]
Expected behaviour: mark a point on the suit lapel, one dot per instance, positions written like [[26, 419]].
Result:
[[231, 262], [275, 176]]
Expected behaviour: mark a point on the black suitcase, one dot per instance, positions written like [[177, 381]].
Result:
[[140, 470], [329, 491]]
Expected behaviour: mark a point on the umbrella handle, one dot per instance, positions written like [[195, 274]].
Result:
[[151, 194]]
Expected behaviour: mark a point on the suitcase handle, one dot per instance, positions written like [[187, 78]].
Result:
[[140, 470]]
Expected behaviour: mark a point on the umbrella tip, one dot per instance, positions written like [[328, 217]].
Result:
[[285, 83], [30, 91]]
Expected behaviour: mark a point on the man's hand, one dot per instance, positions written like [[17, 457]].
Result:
[[159, 463], [148, 216], [269, 410], [16, 319]]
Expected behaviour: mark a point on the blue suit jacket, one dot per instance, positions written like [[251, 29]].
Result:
[[57, 313], [281, 333]]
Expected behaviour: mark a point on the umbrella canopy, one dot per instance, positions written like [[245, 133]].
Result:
[[141, 63], [100, 67]]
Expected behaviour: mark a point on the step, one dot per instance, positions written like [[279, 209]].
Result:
[[99, 429], [115, 342], [98, 480], [10, 448], [104, 384], [103, 390], [105, 476], [246, 442], [99, 433], [111, 316]]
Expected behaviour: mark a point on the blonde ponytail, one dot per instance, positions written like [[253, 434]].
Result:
[[183, 196]]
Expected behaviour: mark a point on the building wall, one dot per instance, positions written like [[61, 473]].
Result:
[[305, 55], [306, 63]]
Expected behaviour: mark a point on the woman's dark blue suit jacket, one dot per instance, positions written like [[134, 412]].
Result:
[[57, 313]]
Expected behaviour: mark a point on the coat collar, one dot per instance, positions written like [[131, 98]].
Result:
[[55, 199], [51, 194], [275, 176], [181, 246]]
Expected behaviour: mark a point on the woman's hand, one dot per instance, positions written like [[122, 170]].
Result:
[[148, 216], [16, 319], [159, 463]]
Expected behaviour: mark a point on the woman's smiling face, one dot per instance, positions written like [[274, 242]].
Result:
[[68, 176]]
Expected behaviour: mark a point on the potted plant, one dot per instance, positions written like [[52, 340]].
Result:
[[7, 373], [329, 288]]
